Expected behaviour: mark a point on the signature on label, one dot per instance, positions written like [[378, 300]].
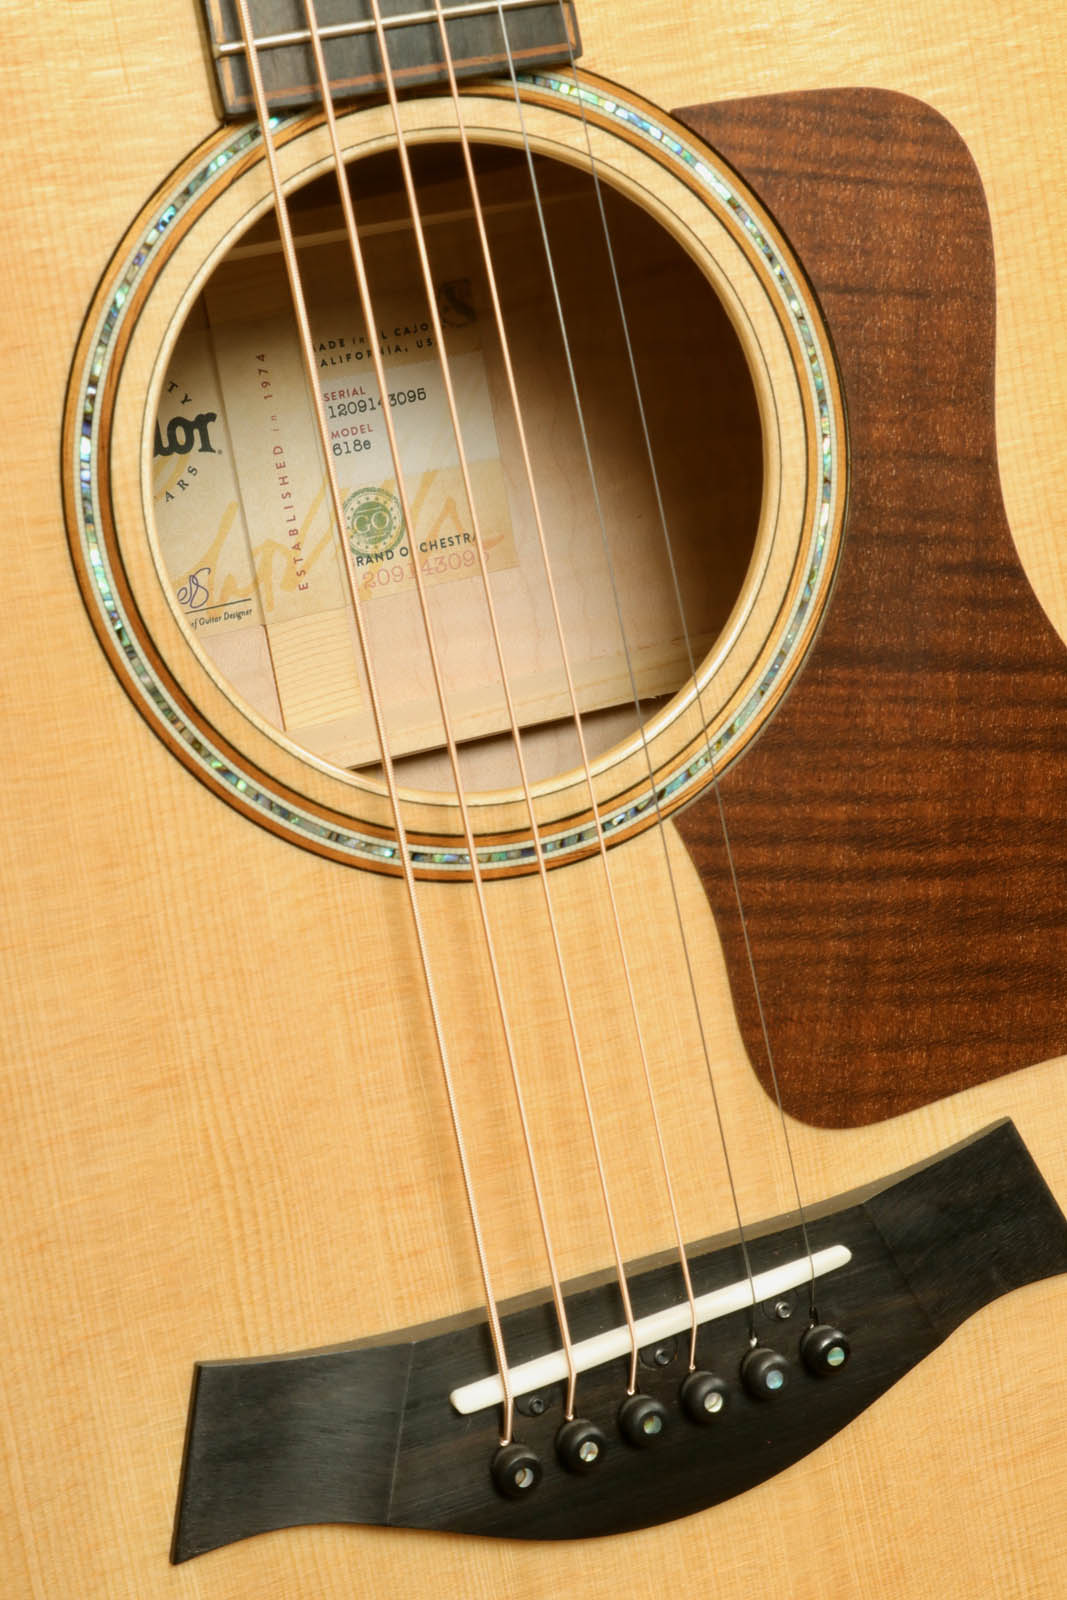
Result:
[[194, 592]]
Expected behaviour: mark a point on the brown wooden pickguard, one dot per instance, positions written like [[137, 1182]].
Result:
[[898, 829]]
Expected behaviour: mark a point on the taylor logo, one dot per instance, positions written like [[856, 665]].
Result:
[[375, 522], [182, 433]]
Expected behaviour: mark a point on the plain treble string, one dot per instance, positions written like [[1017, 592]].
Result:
[[592, 475], [709, 745]]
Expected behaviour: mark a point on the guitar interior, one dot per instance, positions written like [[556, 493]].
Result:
[[247, 537]]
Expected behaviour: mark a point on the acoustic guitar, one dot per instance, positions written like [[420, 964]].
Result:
[[534, 837]]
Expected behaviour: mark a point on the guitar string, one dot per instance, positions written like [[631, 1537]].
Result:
[[586, 767], [304, 328], [661, 820], [542, 868], [453, 756], [602, 845], [704, 722], [367, 305]]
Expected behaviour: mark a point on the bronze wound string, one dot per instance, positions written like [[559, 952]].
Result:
[[306, 342], [560, 963], [586, 767]]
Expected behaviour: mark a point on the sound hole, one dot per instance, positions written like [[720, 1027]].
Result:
[[243, 516]]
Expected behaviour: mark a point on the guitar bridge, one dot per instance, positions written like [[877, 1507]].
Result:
[[366, 1433]]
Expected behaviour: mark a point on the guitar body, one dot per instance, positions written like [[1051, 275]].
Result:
[[224, 1131]]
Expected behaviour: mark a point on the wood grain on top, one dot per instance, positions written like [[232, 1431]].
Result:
[[898, 828]]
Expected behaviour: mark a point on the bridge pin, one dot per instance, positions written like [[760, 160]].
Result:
[[580, 1445], [642, 1420], [764, 1373], [704, 1396], [515, 1470], [823, 1350]]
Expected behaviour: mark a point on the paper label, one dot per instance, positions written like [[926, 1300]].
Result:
[[383, 548], [244, 509], [197, 503]]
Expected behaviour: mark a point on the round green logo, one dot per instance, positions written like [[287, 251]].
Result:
[[375, 521]]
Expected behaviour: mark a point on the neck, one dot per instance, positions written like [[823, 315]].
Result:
[[485, 36]]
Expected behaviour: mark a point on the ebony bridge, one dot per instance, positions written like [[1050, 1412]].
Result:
[[366, 1432]]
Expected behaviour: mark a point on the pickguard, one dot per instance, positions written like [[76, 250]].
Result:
[[897, 826]]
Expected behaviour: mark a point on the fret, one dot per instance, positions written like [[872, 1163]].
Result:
[[539, 32]]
